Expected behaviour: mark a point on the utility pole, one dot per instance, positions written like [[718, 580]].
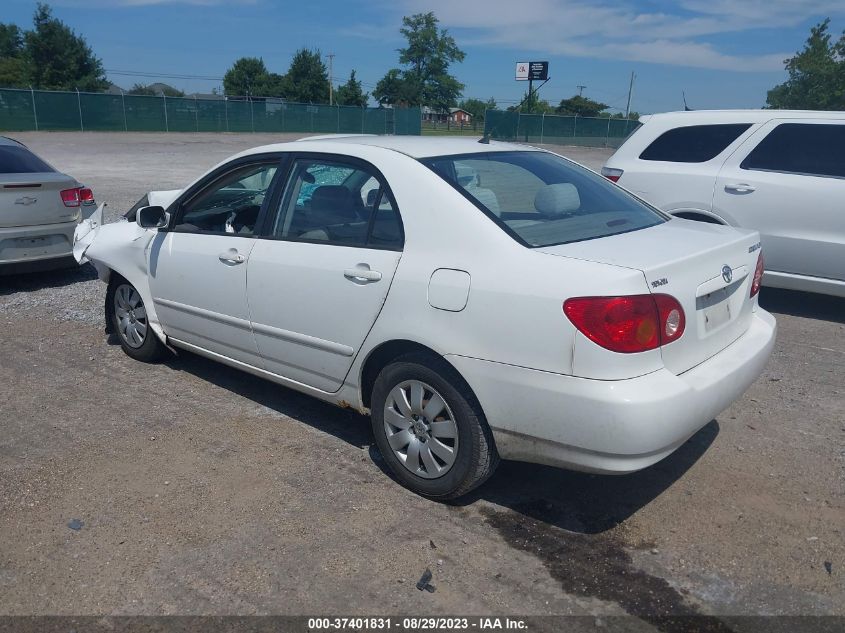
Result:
[[580, 89], [331, 79], [630, 92]]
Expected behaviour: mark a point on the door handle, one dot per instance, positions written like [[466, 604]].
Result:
[[739, 188], [231, 257], [360, 273]]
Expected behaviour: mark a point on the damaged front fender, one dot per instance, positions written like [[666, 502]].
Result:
[[120, 248]]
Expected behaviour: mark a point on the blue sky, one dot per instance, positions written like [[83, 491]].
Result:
[[722, 53]]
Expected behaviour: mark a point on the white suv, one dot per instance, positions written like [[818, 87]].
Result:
[[780, 172]]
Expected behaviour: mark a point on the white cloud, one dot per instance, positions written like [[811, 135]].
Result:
[[625, 30]]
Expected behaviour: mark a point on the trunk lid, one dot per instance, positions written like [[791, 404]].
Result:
[[34, 199], [689, 261]]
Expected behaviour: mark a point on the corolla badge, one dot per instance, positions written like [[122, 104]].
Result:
[[727, 273], [26, 200]]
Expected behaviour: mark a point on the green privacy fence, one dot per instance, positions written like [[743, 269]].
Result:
[[558, 130], [25, 110]]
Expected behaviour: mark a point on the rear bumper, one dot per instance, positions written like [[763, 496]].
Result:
[[26, 244], [612, 426]]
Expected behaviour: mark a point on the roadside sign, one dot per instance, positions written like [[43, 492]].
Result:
[[532, 71]]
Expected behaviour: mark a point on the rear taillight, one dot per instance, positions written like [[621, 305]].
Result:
[[611, 174], [758, 276], [86, 196], [75, 197], [70, 197], [628, 324]]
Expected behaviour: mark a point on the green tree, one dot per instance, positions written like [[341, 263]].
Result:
[[273, 85], [477, 107], [13, 69], [532, 104], [633, 116], [59, 59], [581, 106], [248, 76], [392, 89], [11, 40], [351, 93], [155, 90], [307, 79], [816, 75], [425, 80]]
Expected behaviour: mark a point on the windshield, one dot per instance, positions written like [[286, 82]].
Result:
[[542, 199]]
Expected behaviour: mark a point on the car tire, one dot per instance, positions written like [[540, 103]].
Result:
[[127, 316], [431, 469]]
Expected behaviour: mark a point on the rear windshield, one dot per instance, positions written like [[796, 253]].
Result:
[[15, 159], [541, 199]]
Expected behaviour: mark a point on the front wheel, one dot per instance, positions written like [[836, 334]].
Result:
[[130, 322], [430, 428]]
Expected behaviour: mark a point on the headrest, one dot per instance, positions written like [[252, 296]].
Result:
[[557, 199], [333, 199], [487, 197]]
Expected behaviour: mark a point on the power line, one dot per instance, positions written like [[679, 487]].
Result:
[[138, 73]]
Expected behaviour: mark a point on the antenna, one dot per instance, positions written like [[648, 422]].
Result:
[[580, 89], [686, 107]]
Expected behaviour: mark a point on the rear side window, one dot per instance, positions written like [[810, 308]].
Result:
[[693, 144], [541, 199], [801, 148], [15, 159], [334, 202]]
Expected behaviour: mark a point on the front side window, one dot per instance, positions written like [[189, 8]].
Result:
[[694, 143], [231, 204], [337, 203], [543, 199], [801, 148]]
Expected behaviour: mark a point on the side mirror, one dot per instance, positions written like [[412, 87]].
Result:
[[152, 218]]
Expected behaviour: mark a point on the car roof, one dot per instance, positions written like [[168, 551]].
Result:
[[692, 117], [413, 146]]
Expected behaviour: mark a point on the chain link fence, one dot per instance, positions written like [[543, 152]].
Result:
[[557, 130], [27, 110]]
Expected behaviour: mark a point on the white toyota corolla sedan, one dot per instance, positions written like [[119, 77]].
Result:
[[477, 300]]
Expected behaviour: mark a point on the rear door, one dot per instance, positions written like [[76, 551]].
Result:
[[676, 171], [788, 182], [320, 276], [30, 190], [198, 268]]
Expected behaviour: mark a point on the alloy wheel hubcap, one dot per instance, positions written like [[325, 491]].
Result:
[[421, 429], [131, 315]]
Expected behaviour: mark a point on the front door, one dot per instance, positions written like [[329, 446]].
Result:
[[198, 268], [319, 279]]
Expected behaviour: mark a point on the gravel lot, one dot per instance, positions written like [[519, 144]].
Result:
[[202, 490]]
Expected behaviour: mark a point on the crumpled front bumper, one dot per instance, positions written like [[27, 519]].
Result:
[[85, 233]]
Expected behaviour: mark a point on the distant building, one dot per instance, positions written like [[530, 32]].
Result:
[[457, 116], [460, 116]]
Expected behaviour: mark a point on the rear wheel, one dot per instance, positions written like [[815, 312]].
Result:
[[430, 429], [130, 322]]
